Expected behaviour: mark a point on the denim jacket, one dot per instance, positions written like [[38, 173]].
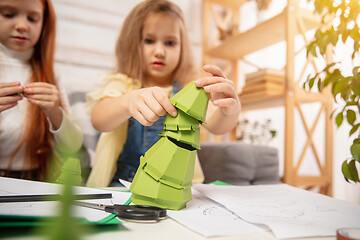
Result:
[[139, 139]]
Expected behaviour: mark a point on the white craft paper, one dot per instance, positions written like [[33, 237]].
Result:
[[289, 212], [10, 186], [210, 219]]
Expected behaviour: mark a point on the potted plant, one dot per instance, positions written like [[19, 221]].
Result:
[[345, 19]]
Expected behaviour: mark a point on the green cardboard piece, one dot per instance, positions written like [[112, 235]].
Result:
[[170, 164], [188, 137], [70, 172], [141, 200], [192, 100], [158, 194], [182, 121]]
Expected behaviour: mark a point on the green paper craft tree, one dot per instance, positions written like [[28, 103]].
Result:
[[65, 226], [164, 176]]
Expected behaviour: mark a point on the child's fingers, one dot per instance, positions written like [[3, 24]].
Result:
[[147, 112], [156, 107], [40, 84], [214, 70], [8, 89], [42, 97], [202, 82], [10, 100], [141, 119], [9, 84], [41, 90], [7, 106], [165, 103], [225, 102], [222, 88]]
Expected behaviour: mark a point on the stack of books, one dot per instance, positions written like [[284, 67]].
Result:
[[263, 84]]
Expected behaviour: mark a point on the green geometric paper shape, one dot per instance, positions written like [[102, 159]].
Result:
[[141, 200], [70, 172], [192, 100], [157, 193], [170, 164], [188, 137], [182, 121]]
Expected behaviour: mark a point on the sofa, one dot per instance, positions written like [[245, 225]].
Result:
[[239, 163]]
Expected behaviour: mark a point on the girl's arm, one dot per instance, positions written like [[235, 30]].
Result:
[[224, 108], [68, 135], [146, 105]]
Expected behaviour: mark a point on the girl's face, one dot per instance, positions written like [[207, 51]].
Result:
[[20, 23], [161, 49]]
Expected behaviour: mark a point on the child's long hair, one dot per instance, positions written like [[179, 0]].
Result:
[[37, 138], [128, 46]]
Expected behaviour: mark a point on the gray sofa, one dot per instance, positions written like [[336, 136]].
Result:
[[239, 163]]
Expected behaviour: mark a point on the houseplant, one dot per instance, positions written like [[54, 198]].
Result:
[[345, 22]]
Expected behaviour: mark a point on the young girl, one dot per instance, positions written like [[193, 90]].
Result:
[[154, 61], [33, 126]]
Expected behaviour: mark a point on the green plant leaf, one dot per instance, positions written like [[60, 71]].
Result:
[[311, 82], [345, 35], [346, 171], [351, 116], [353, 171], [320, 85], [339, 119], [326, 69], [355, 151], [356, 72], [339, 86], [311, 48], [354, 129]]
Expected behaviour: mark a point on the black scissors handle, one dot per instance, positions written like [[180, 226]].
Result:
[[137, 212]]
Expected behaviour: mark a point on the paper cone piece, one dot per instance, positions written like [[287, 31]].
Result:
[[188, 137], [170, 164], [70, 172], [141, 200], [192, 100], [148, 191], [182, 121]]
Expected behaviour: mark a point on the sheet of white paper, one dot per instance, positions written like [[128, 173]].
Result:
[[125, 183], [10, 186], [210, 219], [290, 212]]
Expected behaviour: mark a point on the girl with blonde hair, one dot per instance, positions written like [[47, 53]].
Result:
[[154, 61]]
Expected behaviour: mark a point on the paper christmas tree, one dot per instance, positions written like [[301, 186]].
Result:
[[70, 172], [164, 176]]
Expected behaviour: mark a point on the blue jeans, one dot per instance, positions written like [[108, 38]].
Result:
[[140, 139]]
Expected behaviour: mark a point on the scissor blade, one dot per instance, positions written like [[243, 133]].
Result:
[[91, 205]]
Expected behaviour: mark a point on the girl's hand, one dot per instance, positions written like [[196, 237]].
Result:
[[47, 97], [147, 105], [9, 96], [222, 91]]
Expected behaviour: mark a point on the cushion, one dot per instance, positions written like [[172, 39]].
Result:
[[239, 163]]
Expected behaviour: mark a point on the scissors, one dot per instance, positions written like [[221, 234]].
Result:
[[130, 212]]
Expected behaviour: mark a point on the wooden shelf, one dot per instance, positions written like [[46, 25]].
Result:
[[266, 102], [229, 3], [284, 90], [261, 36]]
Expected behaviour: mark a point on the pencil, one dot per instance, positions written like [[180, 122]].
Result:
[[51, 197]]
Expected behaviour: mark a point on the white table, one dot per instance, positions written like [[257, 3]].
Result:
[[171, 230]]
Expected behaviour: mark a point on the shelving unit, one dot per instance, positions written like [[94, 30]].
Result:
[[291, 22]]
